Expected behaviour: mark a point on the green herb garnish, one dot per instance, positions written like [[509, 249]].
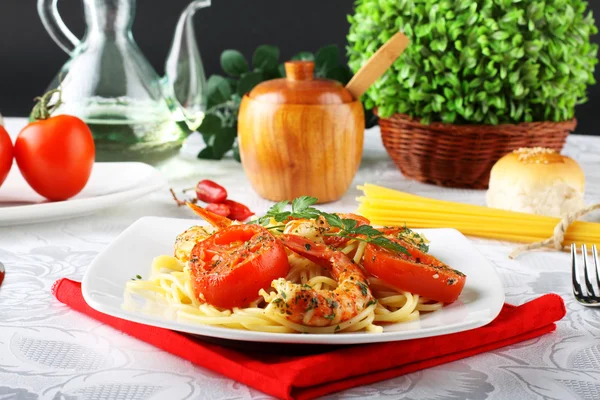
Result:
[[332, 303], [363, 288], [348, 229], [414, 238], [302, 209]]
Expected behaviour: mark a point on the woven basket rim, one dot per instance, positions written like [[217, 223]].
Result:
[[469, 129]]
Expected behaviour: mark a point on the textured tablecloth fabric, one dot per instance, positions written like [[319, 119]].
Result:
[[303, 377], [49, 351]]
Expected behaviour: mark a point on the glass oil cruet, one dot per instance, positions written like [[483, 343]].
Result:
[[134, 114]]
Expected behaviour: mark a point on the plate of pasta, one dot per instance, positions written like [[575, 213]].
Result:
[[295, 275]]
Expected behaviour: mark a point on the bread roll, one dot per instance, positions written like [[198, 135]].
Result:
[[538, 181]]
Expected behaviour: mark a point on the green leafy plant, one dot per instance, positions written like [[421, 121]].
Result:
[[478, 61], [219, 127]]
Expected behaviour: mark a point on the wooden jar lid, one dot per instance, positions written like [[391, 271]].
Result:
[[301, 87]]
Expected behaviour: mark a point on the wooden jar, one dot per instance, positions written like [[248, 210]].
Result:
[[300, 136]]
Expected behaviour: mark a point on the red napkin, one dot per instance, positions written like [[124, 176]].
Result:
[[334, 369]]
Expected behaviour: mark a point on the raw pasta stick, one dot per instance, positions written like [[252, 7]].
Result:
[[385, 206]]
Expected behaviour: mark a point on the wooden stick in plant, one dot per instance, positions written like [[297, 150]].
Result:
[[376, 66]]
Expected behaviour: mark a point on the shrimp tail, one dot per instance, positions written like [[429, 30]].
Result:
[[215, 220], [318, 253]]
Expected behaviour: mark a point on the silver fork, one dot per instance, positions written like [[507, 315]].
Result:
[[589, 296]]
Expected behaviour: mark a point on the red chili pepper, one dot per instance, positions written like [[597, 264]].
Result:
[[238, 211], [210, 192], [220, 209]]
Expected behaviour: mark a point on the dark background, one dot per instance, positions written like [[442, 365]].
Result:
[[29, 58]]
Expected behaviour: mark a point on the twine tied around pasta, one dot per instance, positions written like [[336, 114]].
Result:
[[558, 237]]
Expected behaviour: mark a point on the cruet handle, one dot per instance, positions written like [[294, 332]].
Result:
[[184, 81], [48, 11]]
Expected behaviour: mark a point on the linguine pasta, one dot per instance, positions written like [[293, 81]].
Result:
[[168, 291]]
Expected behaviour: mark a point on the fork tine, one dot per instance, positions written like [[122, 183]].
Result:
[[596, 265], [576, 286], [586, 275]]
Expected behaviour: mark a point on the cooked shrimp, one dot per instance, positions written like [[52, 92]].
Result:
[[305, 305], [186, 241], [311, 229], [317, 229]]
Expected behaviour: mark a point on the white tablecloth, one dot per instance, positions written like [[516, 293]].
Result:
[[48, 351]]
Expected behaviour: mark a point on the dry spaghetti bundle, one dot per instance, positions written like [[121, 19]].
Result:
[[389, 207]]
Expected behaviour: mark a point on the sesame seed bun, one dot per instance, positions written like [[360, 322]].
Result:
[[538, 181]]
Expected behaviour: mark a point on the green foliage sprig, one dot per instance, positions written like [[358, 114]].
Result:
[[219, 127], [347, 228], [479, 61]]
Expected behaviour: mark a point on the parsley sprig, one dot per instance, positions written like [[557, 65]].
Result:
[[302, 209]]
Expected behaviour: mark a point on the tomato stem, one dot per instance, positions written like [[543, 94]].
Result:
[[179, 202], [42, 109]]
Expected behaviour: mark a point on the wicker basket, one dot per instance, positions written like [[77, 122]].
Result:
[[462, 155]]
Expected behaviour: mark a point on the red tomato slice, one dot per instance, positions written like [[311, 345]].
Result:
[[422, 273], [338, 241], [229, 268]]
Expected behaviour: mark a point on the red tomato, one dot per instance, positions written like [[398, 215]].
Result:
[[239, 212], [6, 154], [422, 273], [56, 156], [219, 209], [230, 267], [210, 192]]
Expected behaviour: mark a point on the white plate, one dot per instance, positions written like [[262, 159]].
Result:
[[132, 253], [110, 184]]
